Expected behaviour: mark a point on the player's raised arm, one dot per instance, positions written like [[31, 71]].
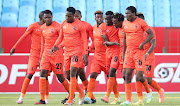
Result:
[[22, 38]]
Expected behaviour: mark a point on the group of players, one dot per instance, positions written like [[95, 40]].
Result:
[[117, 44]]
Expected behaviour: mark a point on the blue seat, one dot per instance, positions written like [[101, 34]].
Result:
[[146, 7], [9, 20], [79, 5], [125, 4], [42, 5], [60, 5], [161, 13], [10, 10], [27, 2], [26, 11], [92, 6], [59, 17], [11, 3], [111, 5], [175, 13], [0, 6]]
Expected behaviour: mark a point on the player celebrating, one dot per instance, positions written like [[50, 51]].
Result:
[[110, 35], [50, 32], [134, 28], [35, 31], [98, 62], [150, 64], [89, 31], [74, 36]]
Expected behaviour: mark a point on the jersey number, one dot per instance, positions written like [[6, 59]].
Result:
[[148, 67], [140, 62], [115, 59], [58, 65], [75, 58]]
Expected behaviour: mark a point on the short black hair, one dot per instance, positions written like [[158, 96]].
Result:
[[132, 9], [71, 9], [98, 12], [109, 13], [47, 12], [78, 11], [41, 14], [119, 16], [140, 16]]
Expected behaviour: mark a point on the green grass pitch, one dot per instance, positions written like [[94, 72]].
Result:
[[55, 100]]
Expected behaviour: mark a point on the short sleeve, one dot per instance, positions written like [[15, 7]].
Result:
[[144, 25], [102, 29]]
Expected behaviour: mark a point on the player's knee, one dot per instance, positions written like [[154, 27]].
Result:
[[43, 73], [149, 80], [60, 77], [73, 71], [93, 75], [124, 77]]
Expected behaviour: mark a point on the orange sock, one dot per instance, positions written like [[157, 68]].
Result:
[[116, 89], [78, 88], [66, 85], [91, 87], [72, 89], [139, 90], [111, 82], [146, 86], [47, 90], [25, 86], [156, 86], [85, 84], [128, 89], [42, 87]]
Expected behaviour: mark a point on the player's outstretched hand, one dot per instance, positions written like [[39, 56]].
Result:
[[54, 49], [85, 59], [141, 46], [12, 51]]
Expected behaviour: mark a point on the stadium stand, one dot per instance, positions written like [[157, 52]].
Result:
[[159, 13], [146, 7], [9, 20], [59, 17], [175, 13]]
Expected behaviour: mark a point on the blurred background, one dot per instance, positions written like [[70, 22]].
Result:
[[17, 15]]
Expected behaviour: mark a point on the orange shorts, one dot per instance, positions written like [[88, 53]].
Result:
[[52, 62], [98, 66], [112, 60], [73, 60], [82, 65], [33, 63], [134, 59], [120, 67], [150, 65]]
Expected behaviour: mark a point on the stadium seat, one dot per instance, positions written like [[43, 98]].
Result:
[[161, 13], [59, 17], [11, 3], [125, 4], [42, 5], [175, 13], [92, 6], [0, 6], [10, 10], [111, 5], [146, 7], [79, 5], [60, 5], [27, 2], [9, 20], [29, 13]]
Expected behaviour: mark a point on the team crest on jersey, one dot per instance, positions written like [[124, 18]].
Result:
[[32, 68], [107, 30], [126, 27], [94, 31], [75, 28], [136, 26], [100, 30], [52, 30]]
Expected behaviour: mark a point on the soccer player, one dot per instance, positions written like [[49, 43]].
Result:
[[89, 31], [50, 32], [74, 36], [98, 62], [35, 31], [150, 64], [133, 44], [110, 35]]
